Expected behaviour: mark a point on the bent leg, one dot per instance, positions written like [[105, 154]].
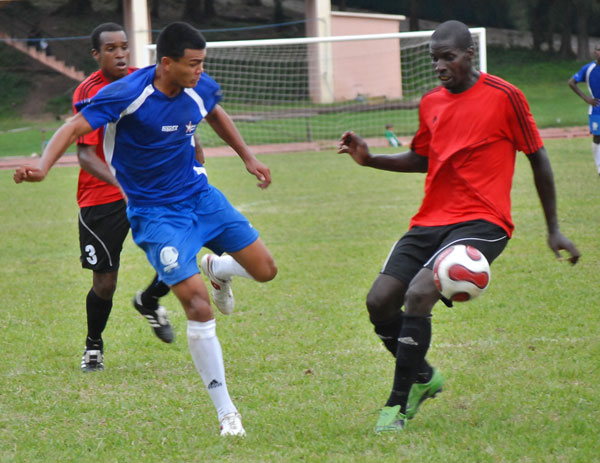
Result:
[[257, 261], [203, 342], [415, 336], [384, 303]]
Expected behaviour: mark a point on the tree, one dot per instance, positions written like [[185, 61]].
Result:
[[565, 14], [278, 15], [413, 20], [155, 9], [191, 10], [76, 8], [584, 9]]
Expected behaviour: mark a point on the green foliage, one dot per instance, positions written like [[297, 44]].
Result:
[[59, 105], [303, 364]]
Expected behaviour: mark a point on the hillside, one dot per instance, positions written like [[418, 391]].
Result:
[[35, 91]]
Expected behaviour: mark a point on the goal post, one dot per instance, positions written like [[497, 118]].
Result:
[[312, 89]]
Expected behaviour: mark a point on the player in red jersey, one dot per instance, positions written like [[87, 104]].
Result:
[[469, 131], [103, 224]]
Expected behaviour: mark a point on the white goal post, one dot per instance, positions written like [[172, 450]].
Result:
[[313, 89]]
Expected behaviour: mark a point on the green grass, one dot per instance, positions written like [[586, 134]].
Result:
[[303, 364], [543, 79]]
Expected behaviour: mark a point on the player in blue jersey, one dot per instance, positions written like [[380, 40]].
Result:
[[150, 118], [590, 74]]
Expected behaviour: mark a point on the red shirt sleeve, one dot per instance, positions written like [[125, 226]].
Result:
[[523, 128]]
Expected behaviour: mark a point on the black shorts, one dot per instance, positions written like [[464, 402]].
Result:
[[102, 231], [420, 246]]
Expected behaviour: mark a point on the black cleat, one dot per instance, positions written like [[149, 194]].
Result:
[[157, 318], [93, 357]]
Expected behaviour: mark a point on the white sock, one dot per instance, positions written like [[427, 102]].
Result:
[[208, 358], [596, 153], [225, 267]]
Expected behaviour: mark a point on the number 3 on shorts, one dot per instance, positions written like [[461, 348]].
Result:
[[91, 254]]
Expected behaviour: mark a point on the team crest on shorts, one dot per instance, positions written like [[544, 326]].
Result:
[[168, 257]]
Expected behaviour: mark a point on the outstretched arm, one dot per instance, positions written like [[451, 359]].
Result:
[[358, 149], [544, 183], [64, 137], [222, 124], [588, 99]]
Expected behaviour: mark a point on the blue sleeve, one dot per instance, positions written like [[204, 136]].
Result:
[[580, 75], [108, 104], [209, 90]]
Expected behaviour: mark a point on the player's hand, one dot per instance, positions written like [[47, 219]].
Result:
[[28, 174], [260, 171], [356, 147], [593, 101], [559, 242]]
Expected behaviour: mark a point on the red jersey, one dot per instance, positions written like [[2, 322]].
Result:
[[471, 139], [92, 191]]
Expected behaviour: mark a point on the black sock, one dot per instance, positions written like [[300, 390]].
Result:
[[413, 344], [98, 311], [94, 344], [153, 293], [388, 332]]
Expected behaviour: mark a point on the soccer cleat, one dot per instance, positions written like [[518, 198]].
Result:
[[231, 425], [419, 392], [391, 420], [157, 318], [93, 357], [221, 293]]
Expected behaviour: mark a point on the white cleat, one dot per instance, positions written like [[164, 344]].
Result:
[[221, 292], [231, 425]]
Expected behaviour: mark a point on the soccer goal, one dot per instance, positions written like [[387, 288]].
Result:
[[313, 89]]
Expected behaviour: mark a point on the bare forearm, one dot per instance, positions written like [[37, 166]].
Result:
[[544, 184], [224, 126], [400, 162]]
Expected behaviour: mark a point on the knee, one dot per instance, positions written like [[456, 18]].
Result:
[[419, 302], [198, 308], [105, 285], [266, 271], [380, 308]]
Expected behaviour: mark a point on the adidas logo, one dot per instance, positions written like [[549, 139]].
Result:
[[214, 383], [408, 340]]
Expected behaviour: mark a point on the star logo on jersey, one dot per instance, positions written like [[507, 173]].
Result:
[[189, 128]]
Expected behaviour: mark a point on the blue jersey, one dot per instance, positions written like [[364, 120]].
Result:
[[148, 139], [590, 74]]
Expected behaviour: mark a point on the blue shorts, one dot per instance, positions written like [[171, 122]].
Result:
[[173, 234], [594, 120]]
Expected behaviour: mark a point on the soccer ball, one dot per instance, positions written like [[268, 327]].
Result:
[[461, 273]]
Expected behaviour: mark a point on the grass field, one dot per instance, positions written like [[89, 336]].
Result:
[[303, 365]]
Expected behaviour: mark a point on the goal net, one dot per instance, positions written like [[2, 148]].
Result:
[[313, 89]]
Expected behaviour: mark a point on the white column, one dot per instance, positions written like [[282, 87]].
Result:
[[318, 15], [137, 24]]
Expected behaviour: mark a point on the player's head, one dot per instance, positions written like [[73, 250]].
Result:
[[451, 49], [110, 49], [176, 38], [180, 52]]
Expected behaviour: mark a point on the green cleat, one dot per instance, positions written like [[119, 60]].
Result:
[[420, 392], [390, 420]]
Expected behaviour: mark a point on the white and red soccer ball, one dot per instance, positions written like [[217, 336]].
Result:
[[461, 273]]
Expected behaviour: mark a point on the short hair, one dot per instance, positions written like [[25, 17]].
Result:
[[175, 38], [456, 31], [106, 27]]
